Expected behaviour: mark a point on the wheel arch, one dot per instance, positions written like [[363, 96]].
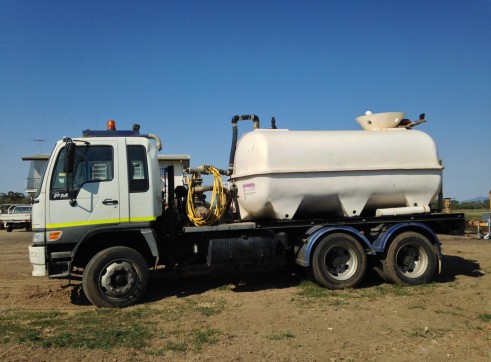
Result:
[[95, 241], [314, 235], [382, 243]]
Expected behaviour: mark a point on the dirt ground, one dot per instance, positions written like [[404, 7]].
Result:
[[267, 316]]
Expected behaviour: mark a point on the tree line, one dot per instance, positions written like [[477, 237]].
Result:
[[470, 205], [12, 197]]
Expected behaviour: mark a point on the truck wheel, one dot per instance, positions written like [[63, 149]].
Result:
[[339, 261], [10, 228], [115, 277], [410, 260]]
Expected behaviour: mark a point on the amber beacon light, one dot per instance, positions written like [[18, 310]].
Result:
[[111, 125]]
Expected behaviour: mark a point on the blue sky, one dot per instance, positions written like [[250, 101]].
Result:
[[182, 69]]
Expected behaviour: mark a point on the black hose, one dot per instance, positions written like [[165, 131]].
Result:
[[235, 119], [170, 186]]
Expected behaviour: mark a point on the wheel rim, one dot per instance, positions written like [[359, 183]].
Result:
[[341, 263], [118, 279], [412, 260]]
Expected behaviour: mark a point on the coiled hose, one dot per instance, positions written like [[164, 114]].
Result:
[[218, 199]]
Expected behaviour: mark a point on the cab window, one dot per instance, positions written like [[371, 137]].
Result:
[[92, 164], [137, 169]]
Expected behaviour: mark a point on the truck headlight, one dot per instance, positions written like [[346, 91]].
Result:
[[38, 238]]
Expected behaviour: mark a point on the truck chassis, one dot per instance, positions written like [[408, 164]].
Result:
[[335, 253]]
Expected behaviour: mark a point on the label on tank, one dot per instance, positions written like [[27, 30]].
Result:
[[249, 189]]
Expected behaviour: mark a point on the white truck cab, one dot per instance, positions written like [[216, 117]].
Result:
[[104, 180]]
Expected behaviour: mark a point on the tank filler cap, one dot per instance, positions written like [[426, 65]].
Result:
[[377, 121]]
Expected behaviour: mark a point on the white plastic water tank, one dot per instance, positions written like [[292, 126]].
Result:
[[282, 174]]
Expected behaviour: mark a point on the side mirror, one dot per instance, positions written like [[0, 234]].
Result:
[[69, 166], [70, 156]]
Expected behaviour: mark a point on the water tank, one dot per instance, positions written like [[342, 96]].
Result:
[[283, 175]]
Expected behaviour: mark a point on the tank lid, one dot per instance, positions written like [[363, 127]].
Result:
[[376, 121]]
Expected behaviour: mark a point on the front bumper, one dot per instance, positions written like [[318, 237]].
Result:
[[37, 257]]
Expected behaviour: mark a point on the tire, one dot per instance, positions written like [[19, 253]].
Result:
[[10, 228], [115, 277], [410, 259], [339, 261]]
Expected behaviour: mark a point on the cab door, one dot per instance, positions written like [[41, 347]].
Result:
[[94, 187]]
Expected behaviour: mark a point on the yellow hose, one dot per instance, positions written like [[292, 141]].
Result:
[[217, 204]]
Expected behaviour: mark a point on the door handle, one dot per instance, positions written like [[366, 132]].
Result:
[[110, 202]]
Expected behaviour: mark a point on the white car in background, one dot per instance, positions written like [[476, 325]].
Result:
[[16, 217]]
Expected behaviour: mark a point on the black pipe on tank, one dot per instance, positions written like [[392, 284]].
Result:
[[170, 186], [440, 199], [235, 119]]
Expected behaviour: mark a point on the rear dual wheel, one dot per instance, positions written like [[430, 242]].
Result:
[[410, 259], [339, 261]]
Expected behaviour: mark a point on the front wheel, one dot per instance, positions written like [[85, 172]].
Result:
[[339, 261], [115, 277], [411, 259]]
